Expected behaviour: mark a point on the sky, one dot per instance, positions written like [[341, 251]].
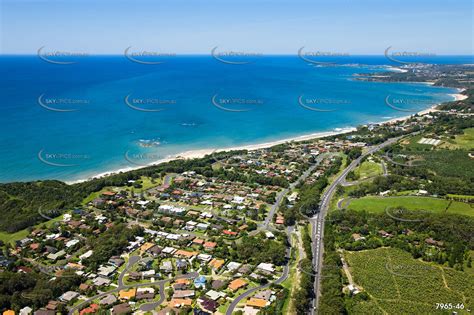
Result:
[[258, 26]]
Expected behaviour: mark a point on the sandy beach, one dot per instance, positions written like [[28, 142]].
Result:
[[192, 154]]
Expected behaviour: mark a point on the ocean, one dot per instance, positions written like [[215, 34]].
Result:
[[104, 113]]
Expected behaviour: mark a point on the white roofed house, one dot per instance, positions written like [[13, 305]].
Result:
[[69, 296], [86, 255], [233, 266], [55, 256], [266, 267], [106, 271], [71, 243]]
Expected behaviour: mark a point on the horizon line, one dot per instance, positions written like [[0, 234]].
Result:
[[260, 55]]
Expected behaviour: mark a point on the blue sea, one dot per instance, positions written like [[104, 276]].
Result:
[[103, 113]]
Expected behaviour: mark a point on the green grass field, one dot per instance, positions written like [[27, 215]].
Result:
[[379, 204], [12, 237], [368, 169], [398, 284], [464, 141]]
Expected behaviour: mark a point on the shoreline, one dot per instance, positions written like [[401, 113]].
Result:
[[200, 153]]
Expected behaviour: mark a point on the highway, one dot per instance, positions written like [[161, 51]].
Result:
[[317, 220], [285, 191]]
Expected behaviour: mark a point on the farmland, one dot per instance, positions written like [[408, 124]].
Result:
[[379, 204], [398, 284]]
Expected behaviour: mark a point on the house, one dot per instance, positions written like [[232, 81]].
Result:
[[357, 237], [109, 299], [166, 267], [26, 310], [249, 310], [57, 255], [84, 287], [208, 304], [266, 268], [233, 266], [352, 289], [255, 302], [245, 269], [204, 257], [269, 235], [236, 284], [100, 281], [200, 282], [69, 296], [181, 294], [52, 305], [168, 250], [86, 255], [230, 233], [184, 253], [120, 309], [216, 264], [180, 302], [210, 245], [198, 241], [106, 271], [92, 309], [432, 242], [264, 295], [217, 284], [145, 294], [384, 234], [214, 295], [280, 220], [146, 246], [147, 274], [116, 261], [155, 250], [127, 294]]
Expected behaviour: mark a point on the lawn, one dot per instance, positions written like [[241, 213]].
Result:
[[379, 204], [146, 183], [466, 140], [399, 284], [12, 237], [368, 169]]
